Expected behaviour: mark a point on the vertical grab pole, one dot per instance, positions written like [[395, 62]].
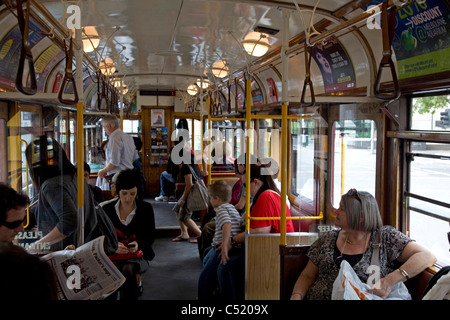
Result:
[[209, 140], [80, 136], [284, 128], [248, 112], [342, 164]]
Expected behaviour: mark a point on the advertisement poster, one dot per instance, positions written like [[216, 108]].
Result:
[[422, 38], [335, 66]]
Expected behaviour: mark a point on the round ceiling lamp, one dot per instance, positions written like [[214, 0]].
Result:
[[192, 89], [90, 39], [107, 66], [256, 43], [203, 83], [220, 69]]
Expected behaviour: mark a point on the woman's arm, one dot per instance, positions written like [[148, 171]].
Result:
[[304, 282], [187, 189], [415, 259]]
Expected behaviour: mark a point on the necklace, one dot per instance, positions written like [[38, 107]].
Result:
[[347, 241]]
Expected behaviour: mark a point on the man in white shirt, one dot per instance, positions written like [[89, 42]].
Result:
[[121, 151]]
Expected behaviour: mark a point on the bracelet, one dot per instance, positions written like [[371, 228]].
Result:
[[404, 273]]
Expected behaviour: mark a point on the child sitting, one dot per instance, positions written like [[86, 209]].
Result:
[[228, 224]]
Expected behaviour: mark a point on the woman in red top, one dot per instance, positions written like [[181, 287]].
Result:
[[266, 202]]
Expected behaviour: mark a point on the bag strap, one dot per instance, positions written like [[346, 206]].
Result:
[[376, 245], [193, 173]]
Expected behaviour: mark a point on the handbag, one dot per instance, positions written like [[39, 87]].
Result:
[[125, 256], [197, 199], [102, 183]]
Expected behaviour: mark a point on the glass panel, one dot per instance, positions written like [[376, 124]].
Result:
[[432, 234], [302, 164], [132, 126], [30, 128], [430, 177], [354, 157], [431, 113]]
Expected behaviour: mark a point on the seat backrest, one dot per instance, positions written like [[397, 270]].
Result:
[[293, 260]]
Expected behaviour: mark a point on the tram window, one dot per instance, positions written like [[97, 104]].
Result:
[[30, 128], [302, 139], [132, 126], [73, 143], [429, 176], [431, 113], [354, 157]]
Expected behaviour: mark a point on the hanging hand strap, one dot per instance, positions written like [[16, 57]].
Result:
[[25, 52], [388, 29], [68, 76], [308, 81]]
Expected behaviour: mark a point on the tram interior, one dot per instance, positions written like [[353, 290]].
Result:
[[332, 96]]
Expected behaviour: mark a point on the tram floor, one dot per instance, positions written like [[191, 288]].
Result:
[[174, 272]]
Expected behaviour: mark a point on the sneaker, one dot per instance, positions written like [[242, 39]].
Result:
[[172, 199], [162, 198]]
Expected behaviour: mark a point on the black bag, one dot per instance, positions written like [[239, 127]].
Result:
[[105, 228]]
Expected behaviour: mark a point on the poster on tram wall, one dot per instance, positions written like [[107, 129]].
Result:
[[422, 38], [335, 65], [10, 53]]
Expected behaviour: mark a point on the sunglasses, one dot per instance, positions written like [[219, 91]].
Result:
[[13, 224]]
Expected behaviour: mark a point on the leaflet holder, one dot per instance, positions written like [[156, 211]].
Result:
[[25, 52], [388, 29]]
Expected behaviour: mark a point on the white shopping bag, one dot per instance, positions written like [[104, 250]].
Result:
[[102, 183], [348, 286]]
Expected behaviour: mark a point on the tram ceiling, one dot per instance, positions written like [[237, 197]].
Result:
[[167, 45]]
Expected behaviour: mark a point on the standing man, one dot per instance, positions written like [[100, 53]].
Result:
[[12, 212], [120, 151]]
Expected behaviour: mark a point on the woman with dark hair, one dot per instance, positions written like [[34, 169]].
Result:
[[266, 203], [184, 215], [54, 178], [134, 221]]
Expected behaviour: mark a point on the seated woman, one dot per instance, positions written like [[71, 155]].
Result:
[[266, 203], [134, 219], [359, 220]]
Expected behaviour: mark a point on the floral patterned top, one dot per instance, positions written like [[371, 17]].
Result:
[[324, 251]]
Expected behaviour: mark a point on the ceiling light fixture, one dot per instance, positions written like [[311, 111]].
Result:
[[192, 89], [220, 69], [256, 43], [107, 66], [90, 39], [203, 83]]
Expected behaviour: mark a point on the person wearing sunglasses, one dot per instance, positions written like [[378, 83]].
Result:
[[12, 212], [359, 225]]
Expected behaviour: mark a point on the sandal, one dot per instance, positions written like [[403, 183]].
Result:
[[193, 240], [179, 238]]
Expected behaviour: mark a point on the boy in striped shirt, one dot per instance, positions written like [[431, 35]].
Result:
[[228, 224]]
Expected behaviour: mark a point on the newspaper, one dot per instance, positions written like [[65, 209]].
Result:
[[85, 273]]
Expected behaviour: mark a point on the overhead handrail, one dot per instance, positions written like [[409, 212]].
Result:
[[308, 81], [388, 29], [68, 76], [25, 52]]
